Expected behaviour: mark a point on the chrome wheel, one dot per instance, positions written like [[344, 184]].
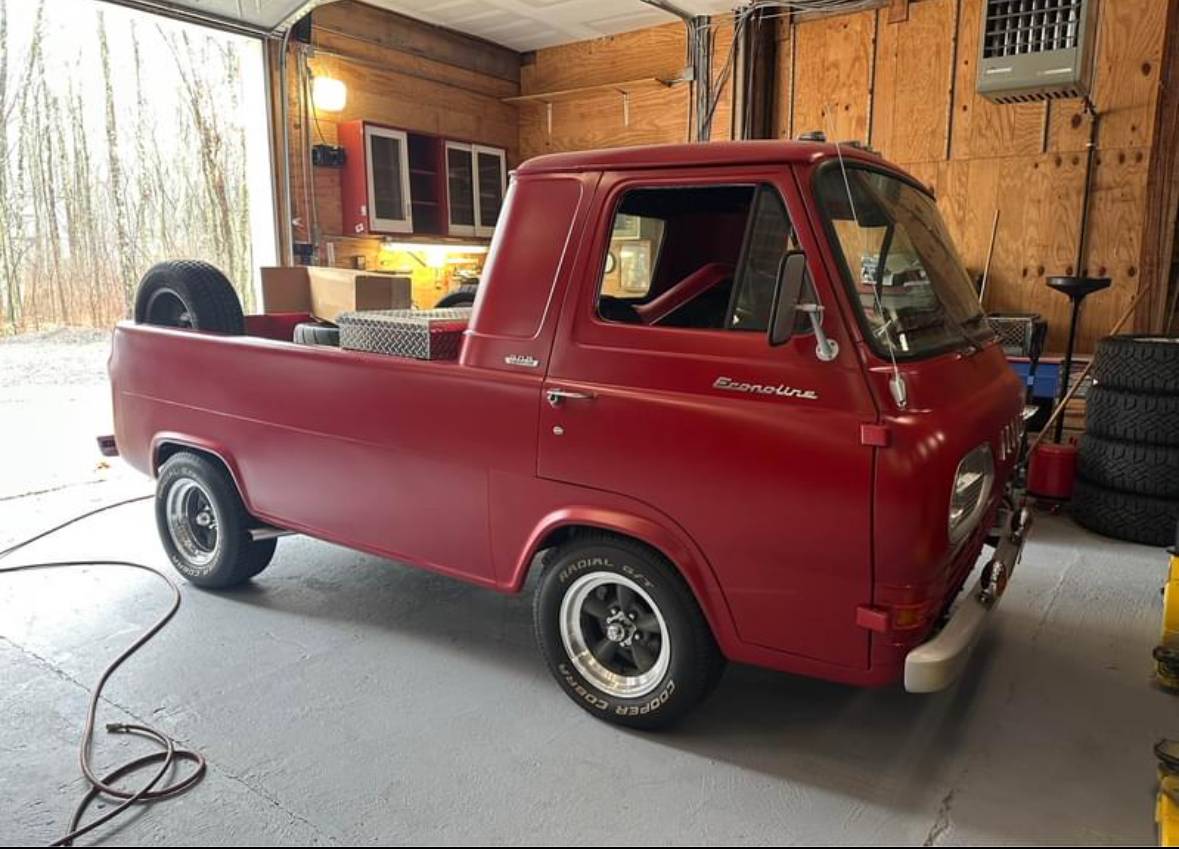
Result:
[[192, 521], [615, 634]]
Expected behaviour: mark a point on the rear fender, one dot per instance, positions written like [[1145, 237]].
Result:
[[167, 439]]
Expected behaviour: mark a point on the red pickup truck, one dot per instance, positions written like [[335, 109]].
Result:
[[731, 401]]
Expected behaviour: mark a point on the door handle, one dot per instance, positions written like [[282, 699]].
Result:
[[555, 396]]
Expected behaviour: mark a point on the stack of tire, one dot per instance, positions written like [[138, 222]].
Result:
[[1128, 464]]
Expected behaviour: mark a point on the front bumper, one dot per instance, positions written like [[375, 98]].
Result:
[[937, 663]]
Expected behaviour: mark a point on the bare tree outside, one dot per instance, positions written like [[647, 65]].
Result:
[[123, 141]]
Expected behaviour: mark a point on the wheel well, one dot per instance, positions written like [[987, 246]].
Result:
[[558, 537], [167, 450]]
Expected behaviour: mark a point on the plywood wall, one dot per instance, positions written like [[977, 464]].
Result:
[[405, 74], [908, 89], [588, 120]]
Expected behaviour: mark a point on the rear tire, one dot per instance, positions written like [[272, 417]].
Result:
[[622, 633], [204, 526], [1122, 515], [189, 294]]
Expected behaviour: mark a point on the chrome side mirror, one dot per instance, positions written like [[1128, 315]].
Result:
[[789, 301], [791, 274]]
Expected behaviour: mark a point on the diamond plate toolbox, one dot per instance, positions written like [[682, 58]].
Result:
[[421, 334]]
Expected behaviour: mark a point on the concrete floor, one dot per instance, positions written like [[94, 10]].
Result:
[[343, 699]]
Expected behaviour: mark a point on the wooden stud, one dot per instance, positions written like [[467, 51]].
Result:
[[1162, 191], [898, 11]]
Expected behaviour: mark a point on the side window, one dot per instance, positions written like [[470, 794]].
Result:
[[770, 235], [703, 257]]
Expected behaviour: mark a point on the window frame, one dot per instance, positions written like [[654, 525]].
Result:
[[453, 229], [757, 182], [477, 150], [843, 271], [376, 223]]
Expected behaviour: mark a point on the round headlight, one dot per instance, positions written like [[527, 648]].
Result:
[[972, 487]]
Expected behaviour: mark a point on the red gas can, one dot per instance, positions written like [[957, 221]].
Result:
[[1052, 470]]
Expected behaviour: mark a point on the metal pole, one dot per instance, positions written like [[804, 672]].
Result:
[[982, 290], [1058, 413], [1082, 243]]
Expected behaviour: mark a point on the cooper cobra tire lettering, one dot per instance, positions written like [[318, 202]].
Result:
[[653, 704], [687, 672], [571, 680]]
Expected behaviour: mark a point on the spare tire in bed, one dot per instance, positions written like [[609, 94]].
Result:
[[188, 293], [462, 296], [317, 333]]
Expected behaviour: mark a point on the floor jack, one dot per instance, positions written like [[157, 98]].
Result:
[[1166, 656]]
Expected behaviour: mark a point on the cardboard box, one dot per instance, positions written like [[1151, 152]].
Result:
[[327, 292]]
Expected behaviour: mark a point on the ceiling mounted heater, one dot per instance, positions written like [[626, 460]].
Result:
[[1036, 49]]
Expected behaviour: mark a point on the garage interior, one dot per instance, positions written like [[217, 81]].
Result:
[[341, 698]]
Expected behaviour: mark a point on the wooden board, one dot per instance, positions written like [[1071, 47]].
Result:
[[596, 119], [1039, 199], [407, 36], [833, 75], [784, 84], [651, 52], [1129, 57], [914, 74]]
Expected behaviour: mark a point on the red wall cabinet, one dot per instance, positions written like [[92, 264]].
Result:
[[400, 182]]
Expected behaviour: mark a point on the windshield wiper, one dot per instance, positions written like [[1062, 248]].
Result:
[[961, 325]]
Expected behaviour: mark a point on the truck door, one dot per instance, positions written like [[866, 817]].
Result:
[[662, 386]]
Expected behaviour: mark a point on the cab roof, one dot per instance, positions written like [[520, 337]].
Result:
[[696, 154]]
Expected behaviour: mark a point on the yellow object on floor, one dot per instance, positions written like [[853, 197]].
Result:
[[1167, 653], [1166, 812]]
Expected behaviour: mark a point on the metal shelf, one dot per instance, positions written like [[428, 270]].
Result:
[[624, 87]]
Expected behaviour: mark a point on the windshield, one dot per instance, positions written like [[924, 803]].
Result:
[[907, 280]]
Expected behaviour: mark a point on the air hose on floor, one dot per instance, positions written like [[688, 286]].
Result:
[[170, 752]]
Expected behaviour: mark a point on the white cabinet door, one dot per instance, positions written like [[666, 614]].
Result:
[[490, 186], [387, 155], [460, 189]]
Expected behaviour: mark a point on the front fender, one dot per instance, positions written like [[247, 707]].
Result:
[[671, 542]]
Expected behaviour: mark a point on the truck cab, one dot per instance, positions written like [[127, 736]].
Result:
[[734, 401]]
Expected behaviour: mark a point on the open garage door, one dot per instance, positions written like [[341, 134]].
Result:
[[252, 17], [127, 139]]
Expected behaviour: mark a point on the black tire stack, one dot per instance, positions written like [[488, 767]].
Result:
[[1128, 466]]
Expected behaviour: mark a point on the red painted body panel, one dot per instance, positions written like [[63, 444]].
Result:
[[783, 519]]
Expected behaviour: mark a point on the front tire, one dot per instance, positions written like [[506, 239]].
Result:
[[622, 634], [204, 526]]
